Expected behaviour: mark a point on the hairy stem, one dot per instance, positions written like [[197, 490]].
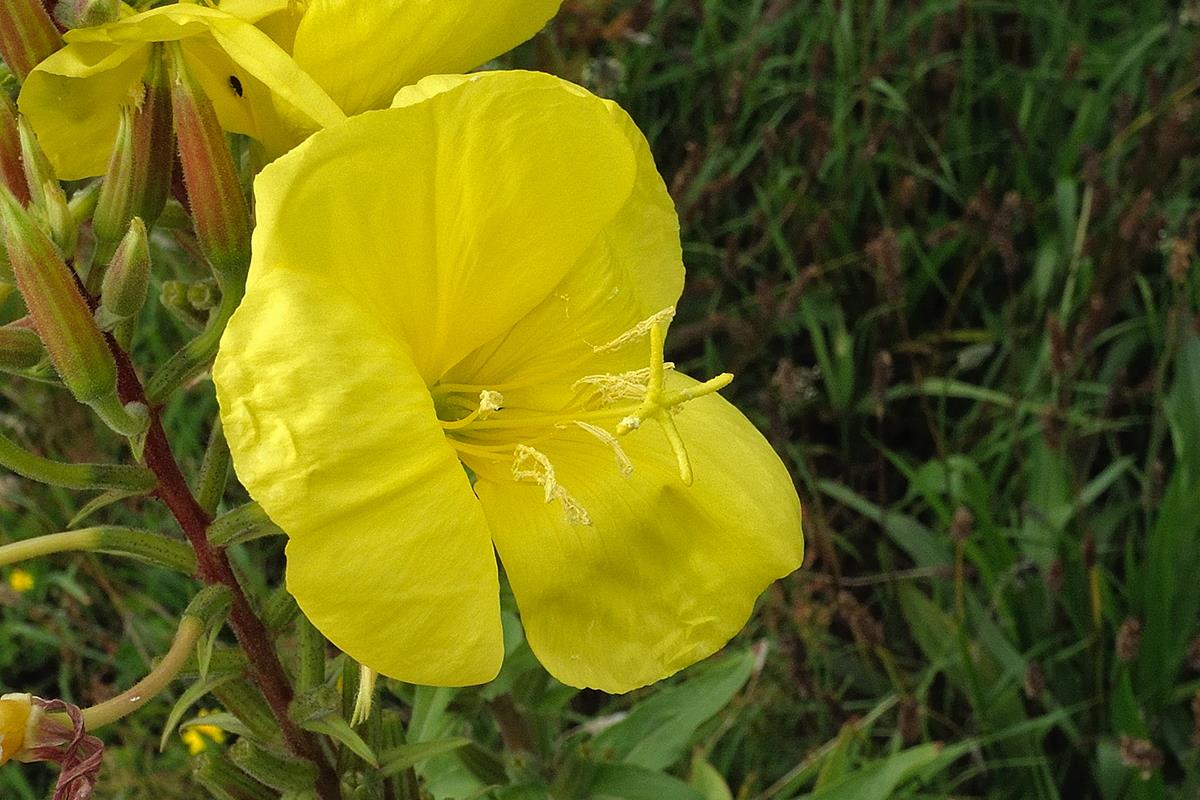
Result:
[[213, 567]]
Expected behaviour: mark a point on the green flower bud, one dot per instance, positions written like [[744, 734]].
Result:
[[273, 769], [62, 319], [20, 348], [27, 35], [174, 297], [127, 279], [114, 206], [86, 13], [224, 781], [48, 202], [60, 314], [219, 210], [203, 295]]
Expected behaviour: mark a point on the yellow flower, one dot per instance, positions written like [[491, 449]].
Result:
[[363, 51], [15, 710], [197, 737], [481, 277], [20, 581], [75, 97]]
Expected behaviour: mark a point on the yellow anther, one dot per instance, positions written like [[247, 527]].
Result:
[[531, 464], [638, 331], [623, 463], [489, 403]]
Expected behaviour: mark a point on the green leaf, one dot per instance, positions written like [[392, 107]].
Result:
[[630, 782], [880, 779], [658, 731], [398, 759], [190, 697], [708, 782]]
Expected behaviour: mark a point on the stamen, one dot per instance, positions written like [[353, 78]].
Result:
[[638, 331], [612, 388], [530, 464], [489, 403], [624, 464]]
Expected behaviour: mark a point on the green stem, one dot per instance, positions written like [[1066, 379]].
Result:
[[74, 476], [190, 630], [196, 354], [129, 542]]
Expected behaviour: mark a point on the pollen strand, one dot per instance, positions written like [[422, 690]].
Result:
[[531, 464]]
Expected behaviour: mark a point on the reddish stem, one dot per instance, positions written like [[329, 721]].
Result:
[[213, 567]]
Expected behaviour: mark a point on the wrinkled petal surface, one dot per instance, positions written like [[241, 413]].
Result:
[[363, 52], [666, 573], [632, 269], [73, 100], [333, 432], [415, 213]]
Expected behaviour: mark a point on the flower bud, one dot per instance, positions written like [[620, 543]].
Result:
[[203, 295], [139, 171], [11, 172], [219, 210], [127, 279], [20, 348], [174, 297], [15, 711], [27, 35], [60, 314], [114, 206], [153, 143], [62, 319], [86, 13], [47, 199], [276, 770]]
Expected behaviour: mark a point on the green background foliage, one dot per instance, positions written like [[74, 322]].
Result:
[[948, 248]]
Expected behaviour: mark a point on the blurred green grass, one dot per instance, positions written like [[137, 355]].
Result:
[[948, 248]]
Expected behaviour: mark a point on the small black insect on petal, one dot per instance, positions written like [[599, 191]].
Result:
[[236, 85]]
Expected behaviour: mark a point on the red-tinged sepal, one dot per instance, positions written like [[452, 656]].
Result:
[[219, 209], [63, 321], [153, 143], [54, 732], [27, 35], [12, 174]]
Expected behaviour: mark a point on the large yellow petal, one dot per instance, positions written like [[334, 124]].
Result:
[[73, 100], [363, 51], [454, 217], [666, 573], [333, 432], [632, 270]]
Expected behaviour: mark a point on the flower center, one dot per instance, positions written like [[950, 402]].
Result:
[[606, 406]]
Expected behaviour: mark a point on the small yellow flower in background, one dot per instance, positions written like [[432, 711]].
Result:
[[20, 581], [482, 277], [363, 51], [198, 737], [74, 98]]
